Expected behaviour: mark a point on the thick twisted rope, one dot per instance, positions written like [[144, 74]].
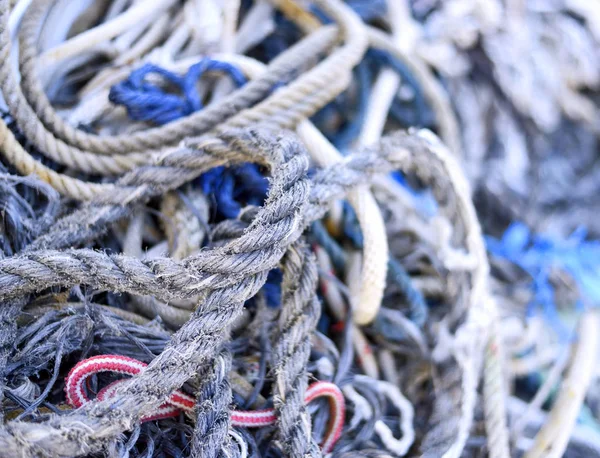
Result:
[[298, 319], [375, 250], [354, 170], [211, 434], [276, 225], [166, 278], [185, 234], [406, 152]]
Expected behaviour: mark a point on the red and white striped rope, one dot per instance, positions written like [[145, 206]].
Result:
[[178, 400]]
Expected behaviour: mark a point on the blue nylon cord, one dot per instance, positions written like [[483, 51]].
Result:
[[539, 254], [229, 188], [146, 101]]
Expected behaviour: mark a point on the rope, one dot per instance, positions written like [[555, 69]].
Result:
[[146, 102], [216, 230], [85, 369], [235, 274], [553, 437], [291, 351], [76, 157], [375, 254]]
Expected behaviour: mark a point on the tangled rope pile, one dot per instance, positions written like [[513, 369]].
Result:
[[217, 213]]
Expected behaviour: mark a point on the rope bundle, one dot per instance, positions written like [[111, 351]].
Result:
[[214, 214]]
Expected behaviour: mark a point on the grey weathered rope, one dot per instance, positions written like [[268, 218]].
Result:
[[441, 431], [22, 219], [167, 278], [298, 319], [211, 434], [275, 225], [8, 312], [446, 256], [20, 223]]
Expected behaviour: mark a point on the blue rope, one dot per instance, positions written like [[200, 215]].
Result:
[[424, 201], [229, 188], [333, 249], [232, 187], [351, 227], [538, 255], [146, 101], [419, 311], [272, 288]]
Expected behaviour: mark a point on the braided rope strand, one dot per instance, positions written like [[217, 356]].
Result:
[[299, 315]]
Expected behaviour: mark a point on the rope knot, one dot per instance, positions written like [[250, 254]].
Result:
[[149, 101]]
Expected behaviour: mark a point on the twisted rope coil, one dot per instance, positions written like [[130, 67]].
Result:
[[222, 277], [225, 276]]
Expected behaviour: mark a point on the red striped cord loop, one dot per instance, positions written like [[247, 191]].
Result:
[[178, 401]]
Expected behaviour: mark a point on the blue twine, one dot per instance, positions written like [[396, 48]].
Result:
[[146, 101], [333, 249], [419, 311], [324, 322], [538, 255], [272, 288], [230, 188], [424, 201], [350, 226]]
